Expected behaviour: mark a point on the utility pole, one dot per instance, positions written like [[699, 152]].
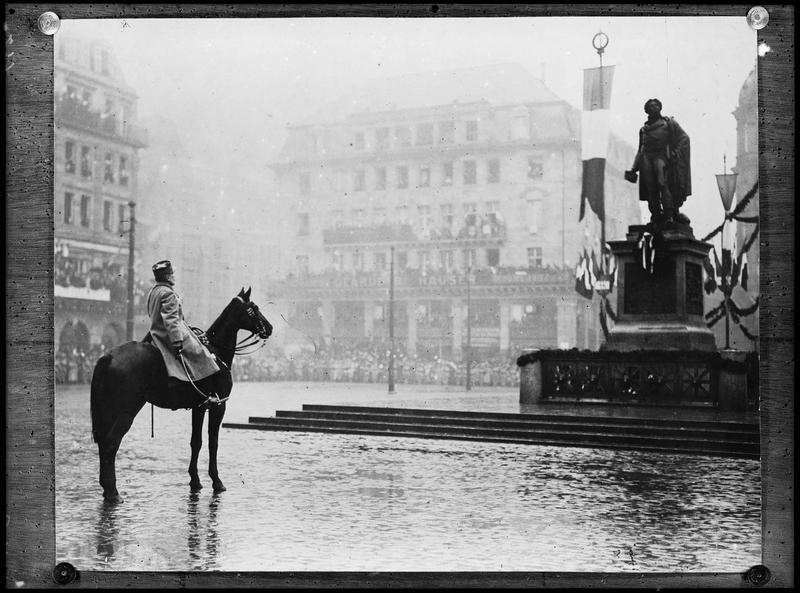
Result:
[[131, 247], [469, 331], [391, 321]]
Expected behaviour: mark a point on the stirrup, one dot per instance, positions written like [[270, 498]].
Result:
[[215, 399]]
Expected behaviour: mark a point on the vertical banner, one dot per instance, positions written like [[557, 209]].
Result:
[[595, 118], [595, 131]]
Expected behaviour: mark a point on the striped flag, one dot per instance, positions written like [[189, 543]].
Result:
[[594, 136]]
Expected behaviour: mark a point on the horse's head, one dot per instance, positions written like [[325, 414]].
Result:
[[251, 319]]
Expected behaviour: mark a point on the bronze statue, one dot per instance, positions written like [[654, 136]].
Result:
[[663, 162]]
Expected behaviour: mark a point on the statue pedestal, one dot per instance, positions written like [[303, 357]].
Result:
[[660, 309]]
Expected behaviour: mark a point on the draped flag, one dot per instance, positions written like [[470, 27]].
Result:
[[595, 121], [584, 277]]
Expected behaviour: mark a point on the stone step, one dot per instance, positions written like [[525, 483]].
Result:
[[552, 424], [743, 427], [574, 439]]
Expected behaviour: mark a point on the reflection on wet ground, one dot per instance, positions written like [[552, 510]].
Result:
[[298, 501]]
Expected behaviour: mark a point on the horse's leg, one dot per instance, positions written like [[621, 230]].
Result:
[[108, 453], [215, 415], [198, 415]]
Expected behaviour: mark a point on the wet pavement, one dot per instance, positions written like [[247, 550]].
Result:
[[301, 501]]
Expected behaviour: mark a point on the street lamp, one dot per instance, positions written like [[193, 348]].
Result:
[[726, 183]]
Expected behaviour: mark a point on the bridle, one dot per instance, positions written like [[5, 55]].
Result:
[[255, 337]]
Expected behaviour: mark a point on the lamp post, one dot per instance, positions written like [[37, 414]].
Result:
[[391, 320], [469, 331], [726, 183], [131, 259]]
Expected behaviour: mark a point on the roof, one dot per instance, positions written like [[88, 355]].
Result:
[[497, 84]]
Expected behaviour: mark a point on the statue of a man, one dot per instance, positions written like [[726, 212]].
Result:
[[663, 162]]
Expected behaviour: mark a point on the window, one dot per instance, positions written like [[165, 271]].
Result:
[[447, 173], [402, 177], [359, 180], [68, 197], [447, 132], [302, 224], [424, 134], [358, 141], [107, 213], [402, 136], [358, 260], [424, 215], [86, 162], [104, 69], [69, 156], [382, 138], [108, 174], [470, 257], [494, 171], [470, 173], [533, 215], [493, 257], [447, 259], [423, 259], [380, 178], [470, 214], [402, 260], [123, 170], [85, 201], [337, 259], [535, 257], [379, 216], [380, 261], [472, 130], [121, 218], [424, 176], [446, 211], [534, 168], [304, 180]]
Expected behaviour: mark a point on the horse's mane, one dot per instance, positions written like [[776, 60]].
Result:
[[214, 327]]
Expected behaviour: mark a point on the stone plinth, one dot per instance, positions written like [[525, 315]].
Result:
[[662, 308]]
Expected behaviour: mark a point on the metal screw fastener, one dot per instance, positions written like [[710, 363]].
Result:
[[758, 575], [757, 17], [64, 573], [49, 23]]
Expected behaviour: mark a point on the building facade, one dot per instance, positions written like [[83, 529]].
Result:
[[465, 184], [746, 168], [97, 140]]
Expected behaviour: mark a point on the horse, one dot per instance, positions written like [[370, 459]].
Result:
[[134, 373]]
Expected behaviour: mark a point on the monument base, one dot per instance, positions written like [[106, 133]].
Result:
[[669, 335]]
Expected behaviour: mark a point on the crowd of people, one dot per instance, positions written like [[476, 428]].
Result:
[[371, 365], [75, 365]]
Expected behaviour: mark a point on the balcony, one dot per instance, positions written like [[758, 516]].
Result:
[[72, 112]]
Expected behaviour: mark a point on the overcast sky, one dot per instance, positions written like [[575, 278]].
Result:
[[231, 85]]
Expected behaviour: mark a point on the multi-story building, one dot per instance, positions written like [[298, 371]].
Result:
[[472, 180], [96, 164]]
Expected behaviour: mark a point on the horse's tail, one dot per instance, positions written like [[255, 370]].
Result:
[[98, 402]]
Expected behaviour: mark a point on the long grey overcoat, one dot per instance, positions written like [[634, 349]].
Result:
[[167, 326]]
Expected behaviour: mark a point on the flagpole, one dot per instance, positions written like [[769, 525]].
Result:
[[599, 43]]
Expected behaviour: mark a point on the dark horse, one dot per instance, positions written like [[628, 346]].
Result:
[[134, 373]]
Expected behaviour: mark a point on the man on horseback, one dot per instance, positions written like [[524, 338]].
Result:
[[185, 356]]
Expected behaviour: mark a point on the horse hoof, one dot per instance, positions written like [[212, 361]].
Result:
[[113, 499], [195, 487], [220, 487]]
